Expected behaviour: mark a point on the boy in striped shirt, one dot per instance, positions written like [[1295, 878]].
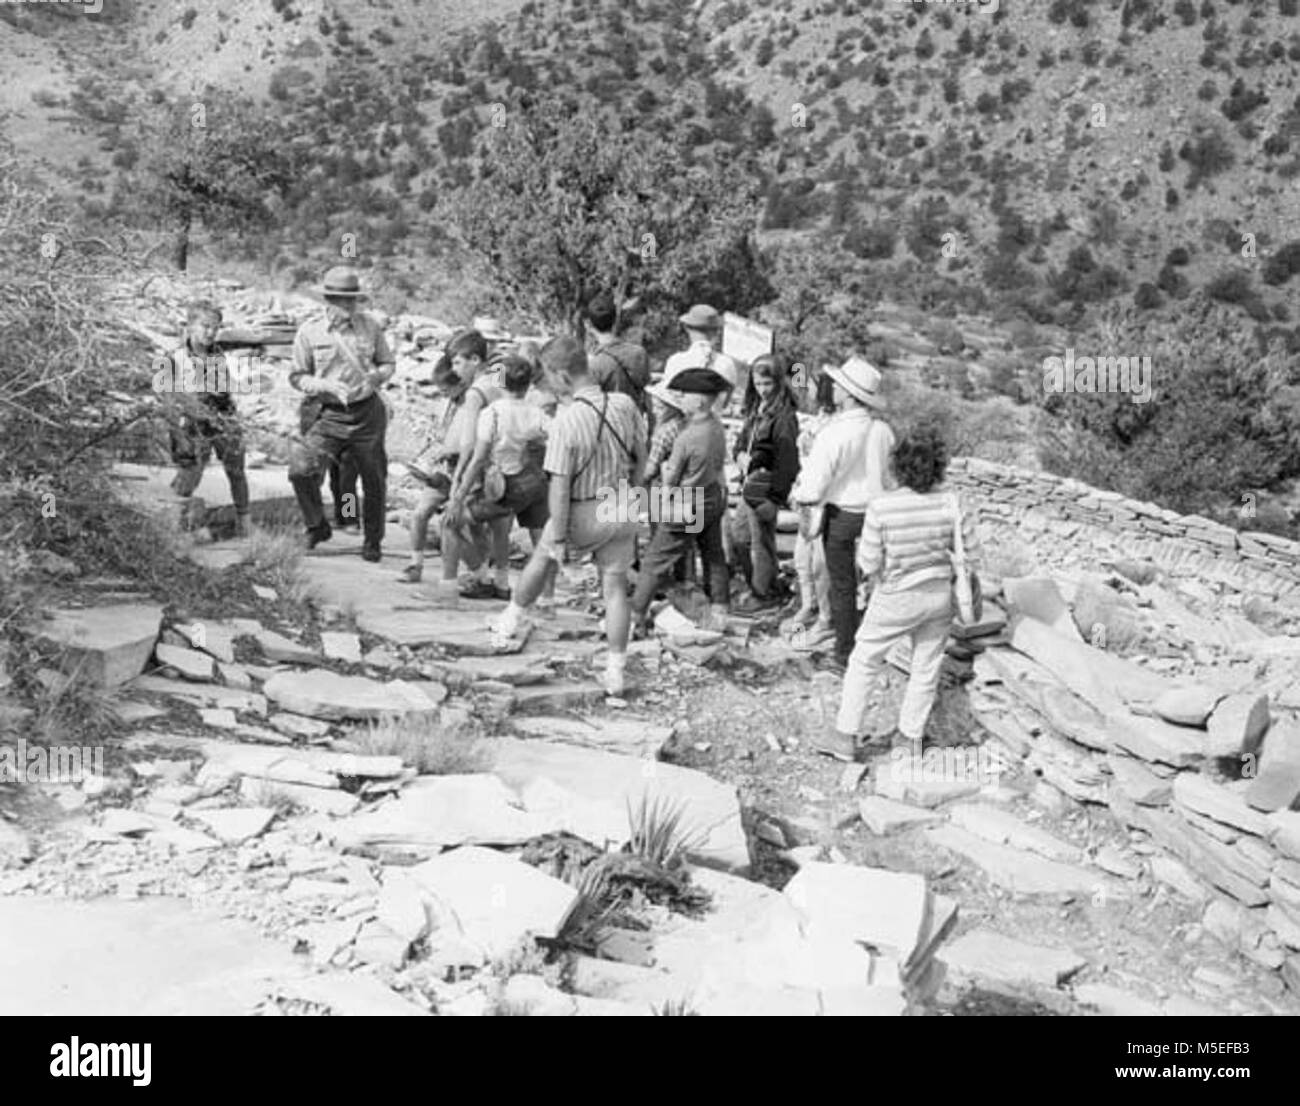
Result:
[[906, 549]]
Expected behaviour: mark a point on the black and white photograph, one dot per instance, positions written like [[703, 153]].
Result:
[[611, 508]]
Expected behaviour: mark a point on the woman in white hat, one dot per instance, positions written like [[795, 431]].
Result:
[[847, 467]]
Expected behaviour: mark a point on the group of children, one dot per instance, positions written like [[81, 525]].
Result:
[[504, 452]]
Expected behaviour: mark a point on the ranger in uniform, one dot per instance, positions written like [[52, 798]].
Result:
[[341, 361]]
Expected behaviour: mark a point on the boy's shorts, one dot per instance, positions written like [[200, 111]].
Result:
[[611, 544]]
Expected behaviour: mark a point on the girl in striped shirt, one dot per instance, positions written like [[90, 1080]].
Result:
[[906, 549]]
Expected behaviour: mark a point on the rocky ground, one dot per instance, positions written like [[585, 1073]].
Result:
[[335, 799], [368, 870]]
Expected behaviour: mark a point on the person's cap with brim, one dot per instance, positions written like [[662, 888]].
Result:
[[701, 317], [704, 382], [861, 380], [664, 395], [341, 283]]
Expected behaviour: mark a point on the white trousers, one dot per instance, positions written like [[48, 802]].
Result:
[[921, 616]]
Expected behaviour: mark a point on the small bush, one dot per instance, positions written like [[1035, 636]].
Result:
[[433, 748], [1209, 155], [1232, 286], [1147, 297]]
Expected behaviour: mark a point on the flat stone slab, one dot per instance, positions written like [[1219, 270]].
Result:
[[1277, 785], [1218, 866], [1237, 725], [282, 650], [1284, 833], [236, 824], [106, 646], [341, 646], [493, 900], [1107, 682], [1075, 718], [256, 790], [749, 955], [1020, 871], [843, 902], [437, 812], [327, 695], [560, 695], [1187, 706], [1004, 828], [518, 670], [1138, 783], [1039, 598], [1158, 741], [991, 957], [608, 781], [213, 638], [630, 737], [904, 787], [462, 629], [1218, 802], [189, 663], [884, 816], [156, 958], [203, 695]]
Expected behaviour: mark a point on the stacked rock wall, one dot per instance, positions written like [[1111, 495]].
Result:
[[1111, 526]]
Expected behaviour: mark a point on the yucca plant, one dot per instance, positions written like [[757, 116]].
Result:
[[657, 834], [597, 903], [675, 1008]]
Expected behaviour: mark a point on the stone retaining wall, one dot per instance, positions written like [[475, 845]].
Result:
[[1249, 562]]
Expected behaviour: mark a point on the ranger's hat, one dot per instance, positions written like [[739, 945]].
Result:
[[342, 282]]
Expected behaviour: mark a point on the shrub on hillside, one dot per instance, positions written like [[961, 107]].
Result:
[[1147, 297], [1224, 417], [1208, 155], [1232, 286], [1280, 266]]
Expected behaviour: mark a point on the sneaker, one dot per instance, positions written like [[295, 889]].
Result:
[[809, 641], [832, 743], [615, 682], [750, 603], [801, 619], [371, 553], [483, 589], [831, 666], [316, 536], [504, 629], [411, 574]]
